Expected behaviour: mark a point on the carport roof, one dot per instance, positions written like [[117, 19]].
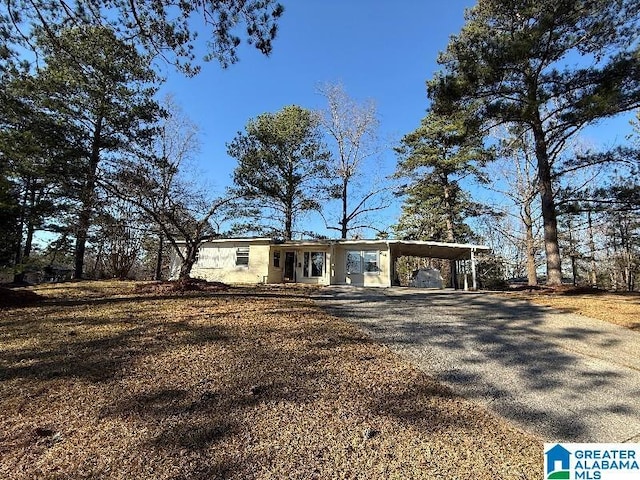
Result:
[[450, 251]]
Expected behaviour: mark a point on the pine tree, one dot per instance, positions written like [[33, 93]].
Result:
[[103, 89], [281, 164], [161, 28], [435, 157], [550, 67]]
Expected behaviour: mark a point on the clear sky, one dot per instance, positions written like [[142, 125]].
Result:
[[377, 49]]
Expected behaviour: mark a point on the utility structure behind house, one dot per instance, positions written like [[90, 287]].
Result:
[[367, 263]]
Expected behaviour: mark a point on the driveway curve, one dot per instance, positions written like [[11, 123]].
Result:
[[561, 376]]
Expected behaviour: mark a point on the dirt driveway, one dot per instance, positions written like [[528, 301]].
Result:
[[564, 377]]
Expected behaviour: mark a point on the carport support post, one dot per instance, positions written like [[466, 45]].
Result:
[[474, 283], [453, 264]]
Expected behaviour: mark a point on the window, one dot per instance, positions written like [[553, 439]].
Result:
[[276, 258], [366, 261], [313, 264], [354, 264], [242, 256], [370, 260], [317, 264], [208, 257]]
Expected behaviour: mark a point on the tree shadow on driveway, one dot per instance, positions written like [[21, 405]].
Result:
[[564, 377]]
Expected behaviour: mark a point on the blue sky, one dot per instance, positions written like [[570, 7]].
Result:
[[377, 49]]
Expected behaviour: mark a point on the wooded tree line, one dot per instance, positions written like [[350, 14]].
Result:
[[100, 170], [518, 85], [90, 156]]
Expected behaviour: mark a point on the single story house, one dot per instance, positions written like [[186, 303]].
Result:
[[365, 263]]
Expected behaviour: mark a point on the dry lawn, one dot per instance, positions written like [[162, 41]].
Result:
[[619, 308], [100, 381]]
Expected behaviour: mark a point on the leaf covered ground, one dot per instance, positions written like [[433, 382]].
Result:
[[106, 380], [621, 308]]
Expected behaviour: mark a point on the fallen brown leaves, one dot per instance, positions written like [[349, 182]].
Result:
[[181, 286], [11, 297], [618, 308], [244, 383]]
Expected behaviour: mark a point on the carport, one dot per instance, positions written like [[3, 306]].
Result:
[[447, 251]]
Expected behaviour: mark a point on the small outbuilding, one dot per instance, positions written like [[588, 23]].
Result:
[[427, 278]]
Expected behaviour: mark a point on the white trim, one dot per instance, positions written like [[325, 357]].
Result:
[[258, 240], [329, 242], [439, 244]]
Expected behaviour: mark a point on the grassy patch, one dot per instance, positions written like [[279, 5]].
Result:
[[618, 308], [100, 381]]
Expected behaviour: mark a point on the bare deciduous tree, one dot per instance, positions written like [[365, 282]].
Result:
[[176, 143], [352, 128], [159, 186], [516, 169]]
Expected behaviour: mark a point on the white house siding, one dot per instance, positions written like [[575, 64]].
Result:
[[217, 262], [275, 274], [358, 276]]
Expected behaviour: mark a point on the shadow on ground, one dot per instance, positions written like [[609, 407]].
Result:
[[554, 377], [197, 388]]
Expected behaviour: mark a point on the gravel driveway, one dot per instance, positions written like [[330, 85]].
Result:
[[564, 377]]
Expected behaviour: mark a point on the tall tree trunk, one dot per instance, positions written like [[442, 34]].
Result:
[[81, 239], [593, 277], [629, 270], [98, 263], [545, 185], [572, 254], [18, 276], [158, 271], [28, 242], [87, 201], [187, 262], [450, 233], [26, 252], [289, 199], [449, 212], [344, 221], [615, 271], [288, 223], [530, 245]]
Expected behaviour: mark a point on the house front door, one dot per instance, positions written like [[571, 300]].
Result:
[[354, 268], [289, 266]]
